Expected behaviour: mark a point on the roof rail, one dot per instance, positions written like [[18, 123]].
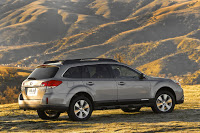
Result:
[[88, 60], [79, 60], [54, 62]]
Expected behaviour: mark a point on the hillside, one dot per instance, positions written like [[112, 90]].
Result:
[[157, 37], [183, 119]]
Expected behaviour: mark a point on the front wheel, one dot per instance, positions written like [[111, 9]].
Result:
[[80, 109], [48, 114], [164, 102]]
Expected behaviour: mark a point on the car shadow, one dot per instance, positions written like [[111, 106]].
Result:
[[185, 115]]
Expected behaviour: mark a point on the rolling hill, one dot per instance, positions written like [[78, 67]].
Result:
[[156, 37]]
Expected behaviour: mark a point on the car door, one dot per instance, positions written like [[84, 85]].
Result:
[[130, 86], [98, 78]]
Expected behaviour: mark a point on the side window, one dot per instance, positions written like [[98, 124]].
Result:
[[96, 71], [124, 72], [73, 72], [89, 71]]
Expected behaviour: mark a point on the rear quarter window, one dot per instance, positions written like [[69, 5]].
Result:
[[43, 73], [73, 72]]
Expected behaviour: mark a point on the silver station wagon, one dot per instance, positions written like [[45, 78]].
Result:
[[80, 86]]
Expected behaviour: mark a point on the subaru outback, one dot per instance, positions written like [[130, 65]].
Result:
[[80, 86]]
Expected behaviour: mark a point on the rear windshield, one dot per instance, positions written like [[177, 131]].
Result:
[[43, 73]]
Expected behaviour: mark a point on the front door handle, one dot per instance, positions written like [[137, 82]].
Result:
[[121, 83], [90, 83]]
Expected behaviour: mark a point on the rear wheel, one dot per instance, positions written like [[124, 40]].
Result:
[[80, 109], [48, 114], [137, 109], [164, 102]]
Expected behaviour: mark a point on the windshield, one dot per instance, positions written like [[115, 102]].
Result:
[[43, 73]]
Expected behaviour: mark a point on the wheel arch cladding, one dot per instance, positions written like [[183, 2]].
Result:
[[84, 94], [166, 88]]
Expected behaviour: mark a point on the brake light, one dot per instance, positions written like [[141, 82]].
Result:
[[51, 83]]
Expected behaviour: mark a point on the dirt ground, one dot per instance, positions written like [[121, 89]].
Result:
[[185, 118]]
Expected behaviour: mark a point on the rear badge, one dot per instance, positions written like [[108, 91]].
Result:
[[31, 83]]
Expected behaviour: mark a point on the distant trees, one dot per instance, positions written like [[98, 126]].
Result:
[[10, 84], [9, 95], [8, 73], [12, 72]]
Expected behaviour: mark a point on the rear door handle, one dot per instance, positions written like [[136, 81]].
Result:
[[121, 83], [90, 83]]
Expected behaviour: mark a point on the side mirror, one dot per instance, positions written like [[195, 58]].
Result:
[[141, 76]]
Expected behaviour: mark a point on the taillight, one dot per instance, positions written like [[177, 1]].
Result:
[[23, 83], [51, 83]]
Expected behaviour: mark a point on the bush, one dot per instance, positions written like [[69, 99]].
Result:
[[10, 84], [9, 95]]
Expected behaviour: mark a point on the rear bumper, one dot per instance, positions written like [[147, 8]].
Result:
[[26, 104], [36, 105]]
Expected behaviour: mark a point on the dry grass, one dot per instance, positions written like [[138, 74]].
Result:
[[152, 68], [20, 71], [24, 74], [184, 119]]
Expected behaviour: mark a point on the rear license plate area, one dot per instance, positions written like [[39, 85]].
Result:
[[32, 91]]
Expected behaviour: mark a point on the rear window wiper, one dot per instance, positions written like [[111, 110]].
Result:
[[32, 78]]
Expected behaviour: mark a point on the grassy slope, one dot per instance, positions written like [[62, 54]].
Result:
[[185, 118]]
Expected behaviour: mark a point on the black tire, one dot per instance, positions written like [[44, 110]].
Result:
[[137, 109], [84, 110], [164, 102], [48, 114]]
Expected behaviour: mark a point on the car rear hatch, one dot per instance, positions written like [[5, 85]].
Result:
[[33, 87]]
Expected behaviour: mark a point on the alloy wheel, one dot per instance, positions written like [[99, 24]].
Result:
[[81, 109], [164, 102]]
